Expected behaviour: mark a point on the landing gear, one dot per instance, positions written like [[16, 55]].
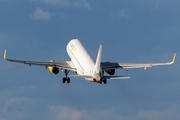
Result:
[[66, 78], [105, 81]]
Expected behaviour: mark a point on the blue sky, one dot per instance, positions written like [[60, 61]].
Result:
[[130, 31]]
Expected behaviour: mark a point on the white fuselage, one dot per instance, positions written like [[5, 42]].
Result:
[[81, 58]]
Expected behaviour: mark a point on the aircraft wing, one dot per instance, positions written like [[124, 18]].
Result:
[[63, 64], [109, 65]]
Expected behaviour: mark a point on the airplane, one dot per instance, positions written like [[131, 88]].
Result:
[[83, 64]]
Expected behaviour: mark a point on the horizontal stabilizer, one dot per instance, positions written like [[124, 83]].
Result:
[[116, 77], [81, 76], [104, 77]]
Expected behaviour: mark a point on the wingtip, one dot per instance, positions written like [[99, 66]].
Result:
[[174, 58], [5, 54]]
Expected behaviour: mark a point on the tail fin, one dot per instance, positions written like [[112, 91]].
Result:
[[98, 60]]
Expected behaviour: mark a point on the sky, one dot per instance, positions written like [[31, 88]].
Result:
[[130, 32]]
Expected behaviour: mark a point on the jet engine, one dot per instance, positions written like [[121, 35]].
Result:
[[111, 71], [54, 70]]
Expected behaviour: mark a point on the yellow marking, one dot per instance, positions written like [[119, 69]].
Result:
[[174, 58], [74, 49], [5, 54], [51, 68]]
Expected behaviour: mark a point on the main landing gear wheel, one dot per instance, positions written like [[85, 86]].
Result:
[[66, 78], [105, 81]]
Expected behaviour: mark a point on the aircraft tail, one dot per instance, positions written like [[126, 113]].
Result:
[[97, 68], [98, 60]]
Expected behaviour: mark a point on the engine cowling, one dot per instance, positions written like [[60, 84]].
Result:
[[111, 71], [54, 70]]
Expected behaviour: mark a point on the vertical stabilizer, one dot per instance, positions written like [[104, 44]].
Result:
[[98, 60]]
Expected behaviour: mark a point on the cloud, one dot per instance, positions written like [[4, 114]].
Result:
[[121, 14], [151, 115], [2, 118], [14, 108], [64, 113], [67, 113], [158, 115], [163, 3], [66, 3], [39, 14], [157, 3]]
